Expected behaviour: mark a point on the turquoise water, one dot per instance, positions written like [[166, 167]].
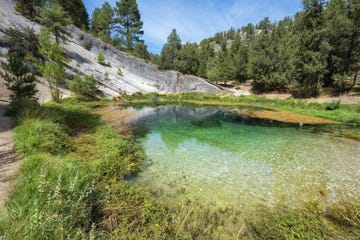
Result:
[[218, 159]]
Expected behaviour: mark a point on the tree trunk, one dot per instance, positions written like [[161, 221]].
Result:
[[354, 79]]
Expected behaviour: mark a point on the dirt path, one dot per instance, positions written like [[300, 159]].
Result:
[[9, 163]]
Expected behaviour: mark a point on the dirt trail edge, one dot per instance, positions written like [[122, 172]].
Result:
[[9, 163]]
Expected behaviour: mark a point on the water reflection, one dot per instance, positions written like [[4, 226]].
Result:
[[225, 158]]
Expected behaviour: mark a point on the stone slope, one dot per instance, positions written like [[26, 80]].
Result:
[[137, 75]]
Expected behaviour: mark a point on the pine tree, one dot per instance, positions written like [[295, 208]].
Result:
[[19, 79], [141, 51], [313, 49], [272, 58], [128, 22], [213, 66], [240, 56], [170, 51], [227, 67], [22, 43], [53, 16], [53, 65], [77, 11], [206, 51], [187, 59], [28, 7], [102, 21], [354, 51]]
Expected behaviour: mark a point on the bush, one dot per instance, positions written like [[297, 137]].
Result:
[[299, 90], [101, 58], [119, 72], [333, 105], [106, 75], [84, 87], [273, 82], [341, 83]]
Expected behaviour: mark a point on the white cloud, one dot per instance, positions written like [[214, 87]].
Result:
[[196, 20]]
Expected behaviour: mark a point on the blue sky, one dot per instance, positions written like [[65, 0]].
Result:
[[195, 20]]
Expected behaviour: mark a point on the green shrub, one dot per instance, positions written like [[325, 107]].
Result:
[[101, 58], [106, 75], [36, 135], [273, 82], [84, 87], [119, 72], [333, 105], [298, 90]]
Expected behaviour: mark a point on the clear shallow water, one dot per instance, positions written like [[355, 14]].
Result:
[[216, 158]]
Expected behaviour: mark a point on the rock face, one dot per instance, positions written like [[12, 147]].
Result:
[[137, 75]]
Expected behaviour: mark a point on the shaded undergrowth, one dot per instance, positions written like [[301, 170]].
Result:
[[73, 185]]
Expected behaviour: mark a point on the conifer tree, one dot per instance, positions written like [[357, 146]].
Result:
[[77, 11], [141, 51], [354, 51], [170, 51], [206, 51], [187, 59], [19, 79], [102, 21], [53, 17], [313, 49], [28, 7], [22, 43], [128, 22]]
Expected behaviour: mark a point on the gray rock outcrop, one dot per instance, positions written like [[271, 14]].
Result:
[[137, 75]]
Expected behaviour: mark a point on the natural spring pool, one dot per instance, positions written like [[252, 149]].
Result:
[[219, 158]]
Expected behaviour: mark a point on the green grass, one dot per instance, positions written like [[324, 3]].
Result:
[[342, 113], [72, 186], [72, 183]]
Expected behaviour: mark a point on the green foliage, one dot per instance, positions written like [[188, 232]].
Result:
[[271, 57], [311, 54], [84, 87], [341, 83], [106, 75], [128, 22], [80, 192], [170, 51], [55, 19], [206, 51], [77, 192], [187, 59], [334, 105], [54, 199], [40, 136], [28, 7], [77, 11], [301, 90], [101, 21], [52, 66], [18, 79], [317, 48], [101, 58], [118, 157], [22, 43], [140, 50], [119, 72]]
